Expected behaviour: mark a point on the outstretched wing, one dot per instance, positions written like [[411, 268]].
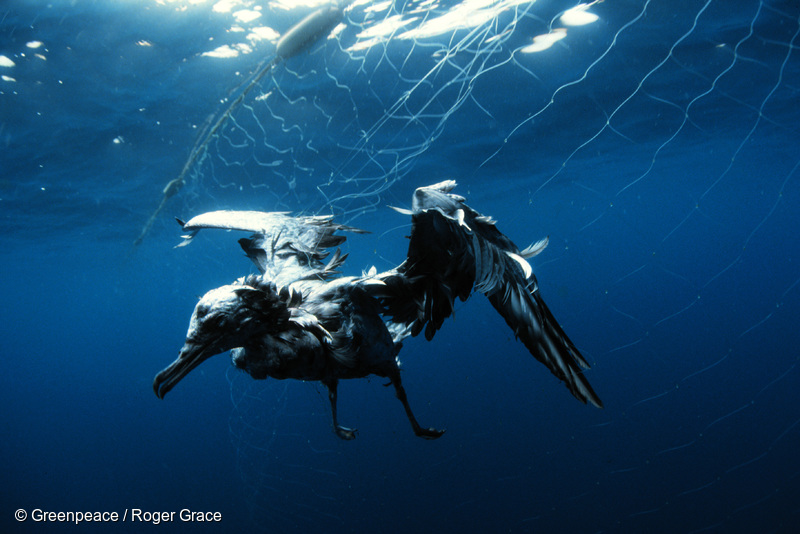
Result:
[[454, 250], [283, 248]]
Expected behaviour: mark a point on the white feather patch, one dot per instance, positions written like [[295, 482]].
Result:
[[402, 211], [535, 248], [526, 267], [460, 218]]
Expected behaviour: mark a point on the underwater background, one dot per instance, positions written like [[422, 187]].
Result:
[[656, 143]]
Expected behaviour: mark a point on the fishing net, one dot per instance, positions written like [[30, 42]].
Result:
[[586, 119]]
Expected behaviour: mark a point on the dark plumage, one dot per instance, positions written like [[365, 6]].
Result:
[[299, 319]]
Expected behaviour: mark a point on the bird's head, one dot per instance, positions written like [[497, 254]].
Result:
[[224, 318]]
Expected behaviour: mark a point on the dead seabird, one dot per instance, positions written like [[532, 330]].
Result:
[[300, 319]]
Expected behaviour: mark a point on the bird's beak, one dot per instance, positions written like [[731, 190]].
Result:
[[192, 354]]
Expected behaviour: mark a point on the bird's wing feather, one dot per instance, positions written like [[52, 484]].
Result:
[[524, 310], [454, 250], [248, 221], [283, 248]]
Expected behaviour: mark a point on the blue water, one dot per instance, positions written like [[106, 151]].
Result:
[[658, 146]]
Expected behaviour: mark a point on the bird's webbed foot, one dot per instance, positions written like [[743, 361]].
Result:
[[428, 433], [345, 433]]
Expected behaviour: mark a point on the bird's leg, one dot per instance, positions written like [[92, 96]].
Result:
[[427, 433], [342, 432]]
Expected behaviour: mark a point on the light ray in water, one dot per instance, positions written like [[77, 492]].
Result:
[[295, 41]]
